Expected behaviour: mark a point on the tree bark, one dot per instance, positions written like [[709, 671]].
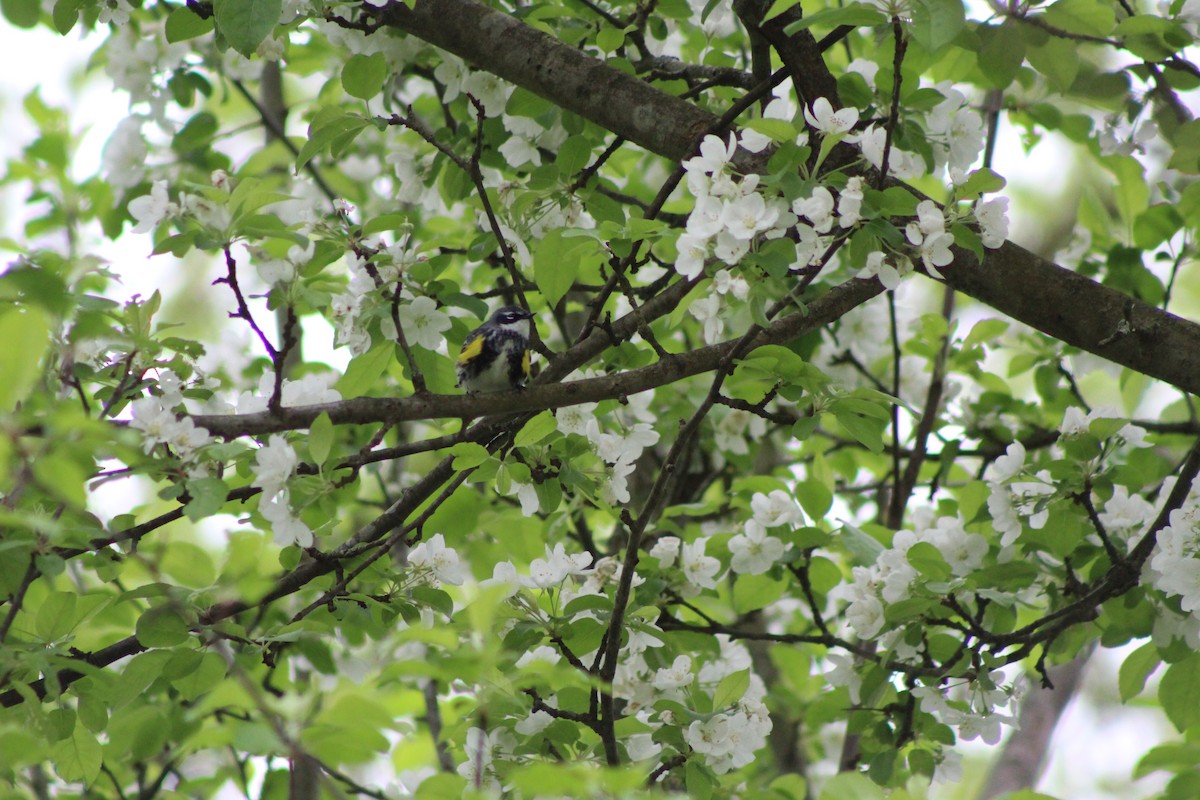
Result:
[[1024, 756]]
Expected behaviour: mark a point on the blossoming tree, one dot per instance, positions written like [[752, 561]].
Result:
[[817, 468]]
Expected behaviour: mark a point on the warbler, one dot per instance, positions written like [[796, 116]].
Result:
[[495, 356]]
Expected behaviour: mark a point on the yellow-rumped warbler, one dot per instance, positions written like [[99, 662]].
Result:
[[495, 356]]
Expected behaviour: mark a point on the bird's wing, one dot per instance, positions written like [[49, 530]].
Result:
[[471, 348]]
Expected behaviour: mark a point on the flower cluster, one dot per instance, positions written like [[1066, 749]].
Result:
[[893, 578], [274, 464], [729, 214], [754, 550], [620, 448], [159, 425], [365, 302]]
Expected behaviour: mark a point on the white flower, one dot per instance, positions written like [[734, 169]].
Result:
[[901, 164], [518, 150], [829, 122], [674, 677], [450, 72], [730, 249], [153, 208], [544, 653], [1075, 422], [1009, 464], [707, 310], [850, 203], [754, 552], [963, 551], [666, 550], [992, 217], [124, 155], [556, 566], [715, 155], [536, 722], [928, 234], [491, 91], [527, 496], [726, 282], [423, 323], [286, 528], [705, 220], [693, 250], [776, 509], [432, 561], [1126, 511], [746, 216], [889, 276], [575, 419], [779, 108], [1004, 515], [817, 207], [274, 464], [284, 271], [843, 673], [699, 569]]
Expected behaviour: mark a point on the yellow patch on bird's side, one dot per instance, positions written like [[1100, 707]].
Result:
[[471, 349], [525, 363]]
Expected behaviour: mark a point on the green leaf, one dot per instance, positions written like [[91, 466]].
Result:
[[556, 263], [184, 24], [868, 431], [468, 455], [1057, 59], [864, 547], [25, 333], [573, 156], [856, 14], [752, 592], [78, 757], [320, 438], [363, 371], [207, 497], [1155, 225], [815, 498], [779, 130], [363, 75], [1135, 669], [928, 560], [245, 23], [22, 13], [331, 127], [536, 429], [731, 689], [55, 616], [609, 39], [188, 564], [1186, 157], [1179, 692], [981, 181], [1087, 17], [936, 23], [698, 780], [985, 331], [1002, 53], [161, 626], [66, 14], [850, 786]]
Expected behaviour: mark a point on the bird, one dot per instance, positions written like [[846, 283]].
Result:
[[495, 356]]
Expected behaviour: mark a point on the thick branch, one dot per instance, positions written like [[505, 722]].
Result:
[[364, 410], [507, 47]]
